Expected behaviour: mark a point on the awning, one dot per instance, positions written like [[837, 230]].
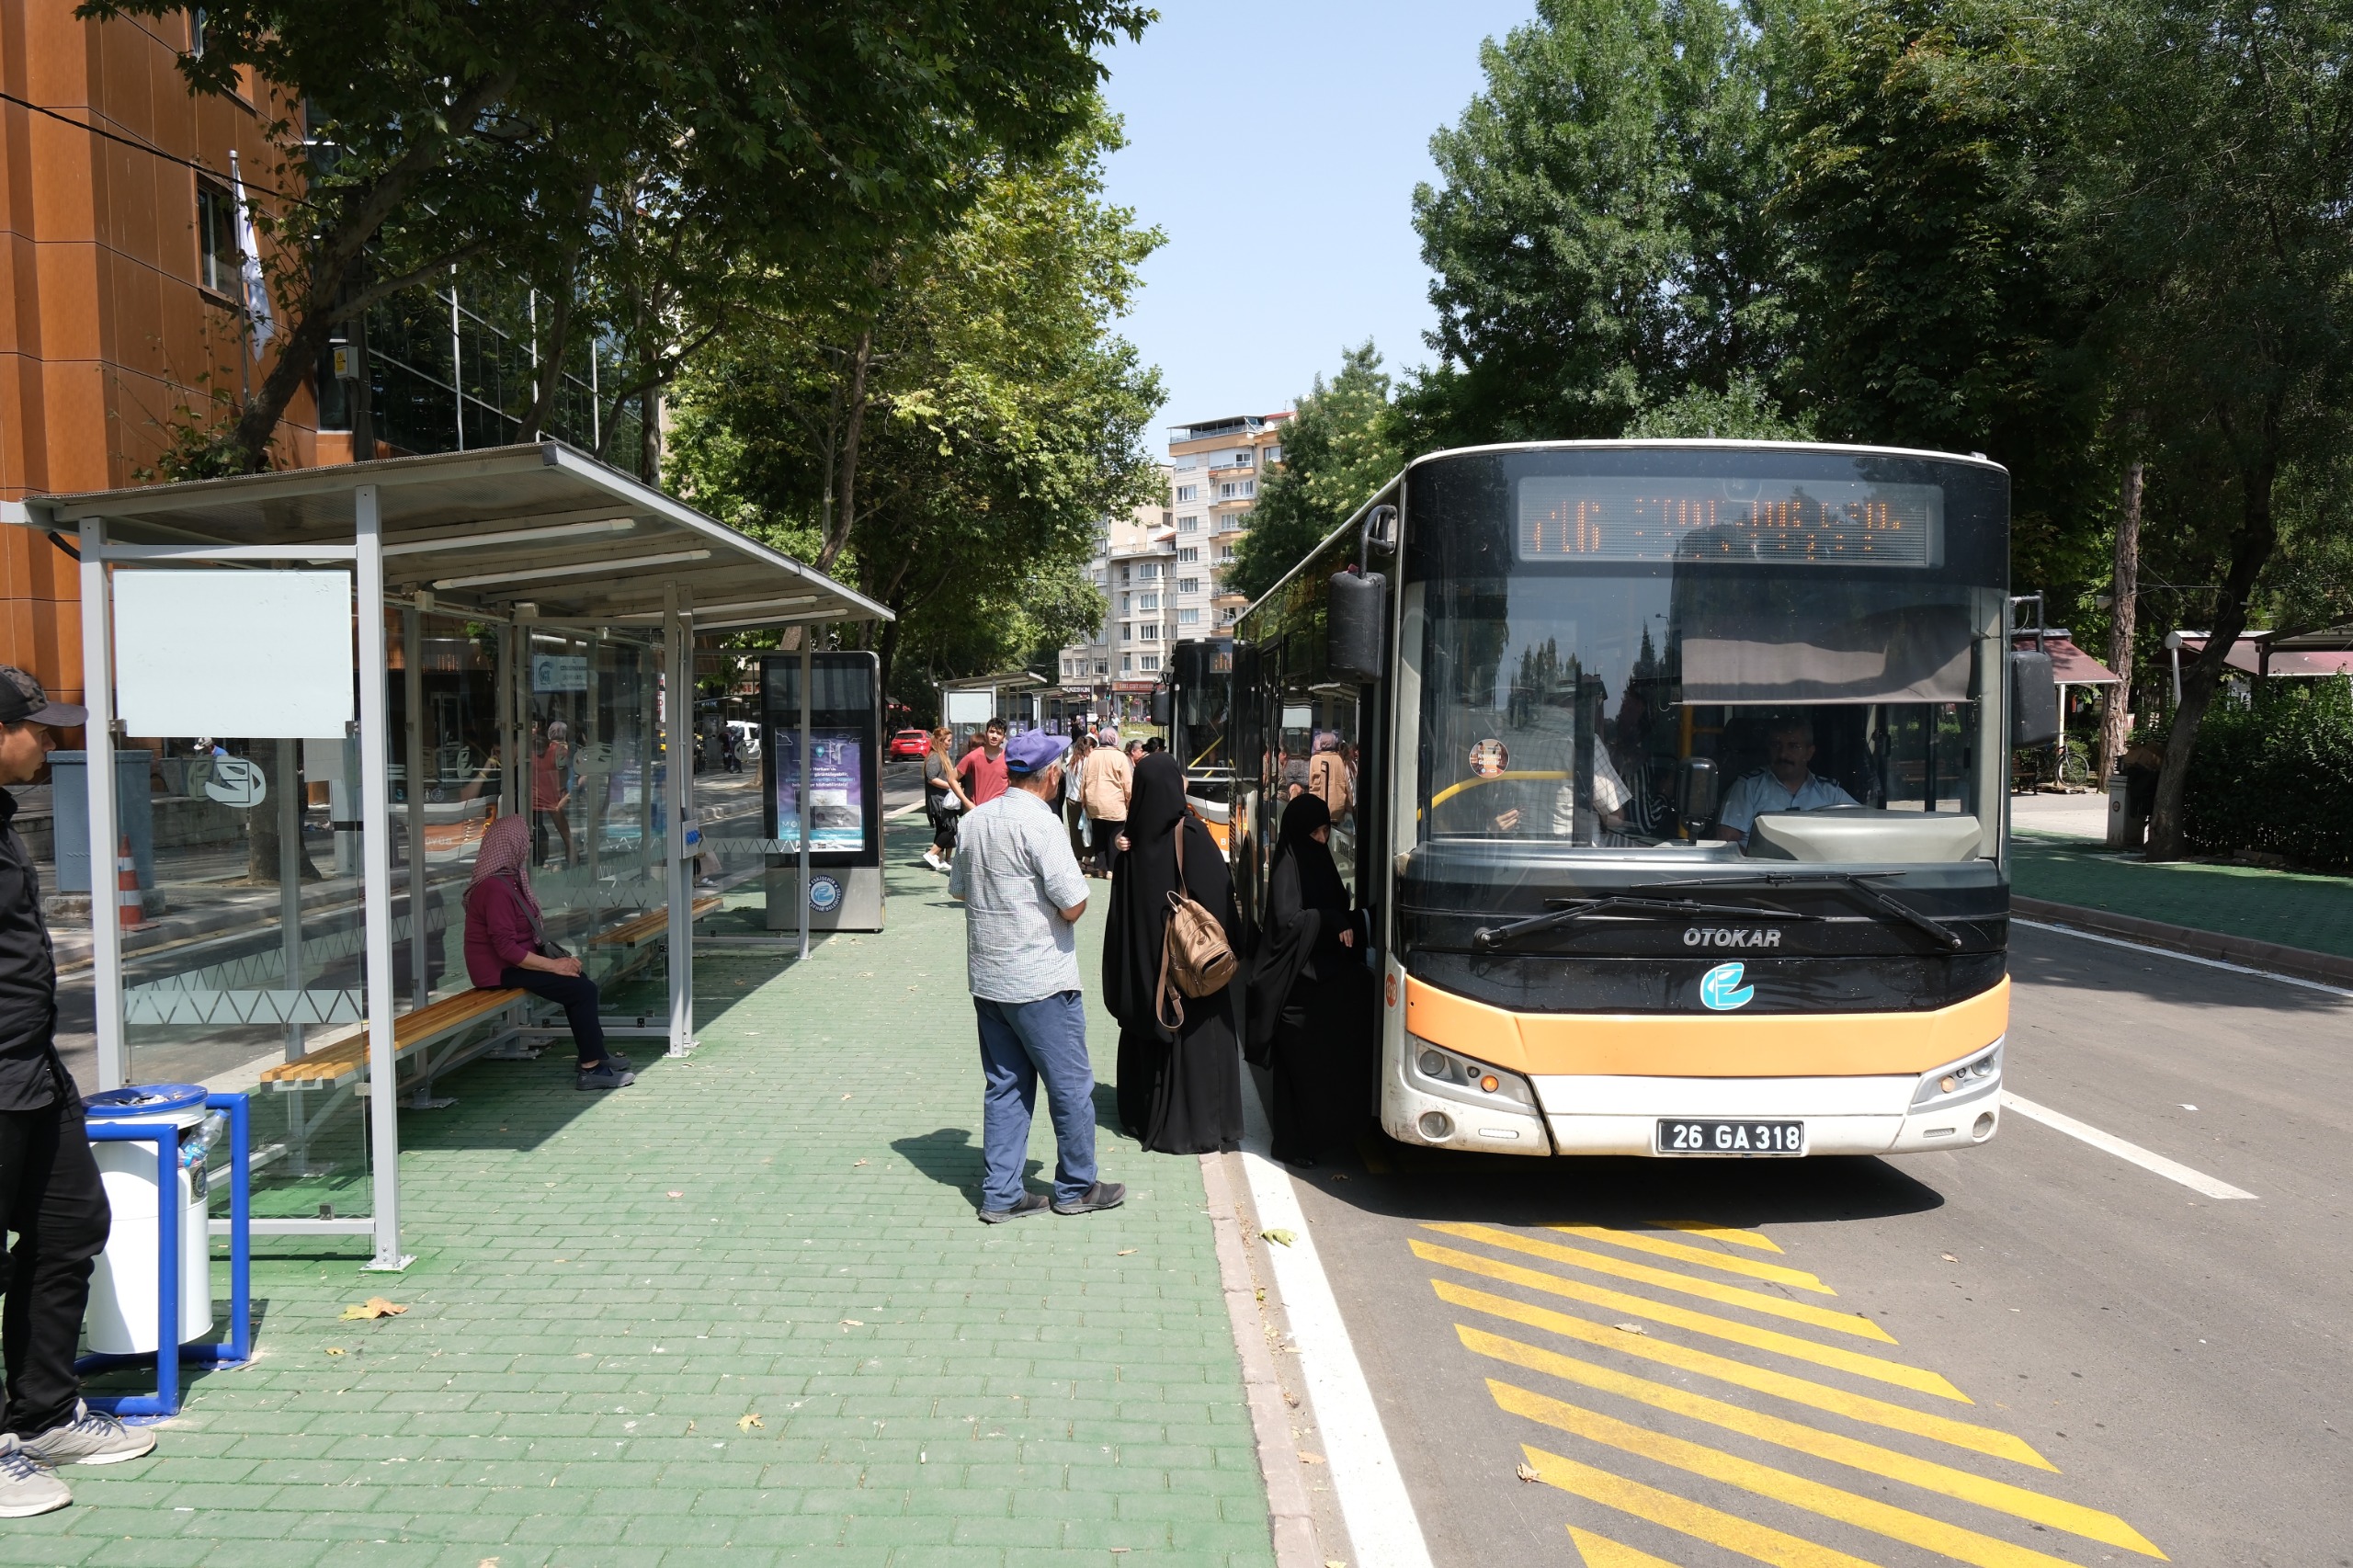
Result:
[[2307, 657], [2070, 666], [542, 525]]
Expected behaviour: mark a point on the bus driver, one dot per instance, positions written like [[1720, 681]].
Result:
[[1785, 784]]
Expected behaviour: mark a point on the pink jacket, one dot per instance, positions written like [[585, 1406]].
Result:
[[498, 933]]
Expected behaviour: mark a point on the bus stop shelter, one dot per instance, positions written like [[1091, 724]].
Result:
[[422, 629]]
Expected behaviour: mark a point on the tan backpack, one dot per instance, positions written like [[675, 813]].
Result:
[[1194, 953]]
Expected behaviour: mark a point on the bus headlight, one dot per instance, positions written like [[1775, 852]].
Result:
[[1433, 1069], [1965, 1079]]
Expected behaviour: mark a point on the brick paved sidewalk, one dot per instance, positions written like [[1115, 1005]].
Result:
[[2294, 909], [739, 1313]]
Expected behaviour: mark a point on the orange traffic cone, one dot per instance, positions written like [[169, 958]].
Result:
[[131, 906]]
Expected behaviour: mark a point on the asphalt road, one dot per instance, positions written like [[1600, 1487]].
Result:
[[2035, 1352]]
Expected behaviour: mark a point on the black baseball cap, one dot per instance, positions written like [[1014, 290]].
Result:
[[24, 700]]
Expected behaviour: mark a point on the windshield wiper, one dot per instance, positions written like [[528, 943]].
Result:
[[1489, 936], [1856, 881]]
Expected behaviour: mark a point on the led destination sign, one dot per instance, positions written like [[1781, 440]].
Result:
[[1778, 522]]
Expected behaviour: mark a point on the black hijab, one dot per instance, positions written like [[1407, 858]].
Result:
[[1307, 908], [1146, 876]]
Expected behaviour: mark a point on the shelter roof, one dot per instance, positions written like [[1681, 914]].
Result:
[[541, 524], [2070, 666]]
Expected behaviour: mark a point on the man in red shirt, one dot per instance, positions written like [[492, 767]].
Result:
[[982, 768]]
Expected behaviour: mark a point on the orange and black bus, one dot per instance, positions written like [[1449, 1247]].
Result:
[[1677, 790]]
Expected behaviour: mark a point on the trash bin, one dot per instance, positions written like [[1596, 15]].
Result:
[[122, 1311], [2120, 810]]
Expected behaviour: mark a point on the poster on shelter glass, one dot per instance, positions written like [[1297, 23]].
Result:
[[836, 790]]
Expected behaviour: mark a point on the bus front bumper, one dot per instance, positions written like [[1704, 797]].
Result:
[[1842, 1115]]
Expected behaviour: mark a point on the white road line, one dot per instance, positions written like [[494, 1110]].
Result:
[[2185, 957], [1382, 1525], [2197, 1181]]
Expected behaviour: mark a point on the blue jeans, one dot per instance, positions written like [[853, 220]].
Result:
[[1021, 1042]]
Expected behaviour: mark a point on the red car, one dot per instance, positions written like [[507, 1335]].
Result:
[[909, 742]]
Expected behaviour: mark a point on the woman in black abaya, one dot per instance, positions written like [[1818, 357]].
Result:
[[1307, 988], [1181, 1089]]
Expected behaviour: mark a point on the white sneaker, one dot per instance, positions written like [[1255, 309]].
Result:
[[931, 858], [25, 1489], [91, 1438]]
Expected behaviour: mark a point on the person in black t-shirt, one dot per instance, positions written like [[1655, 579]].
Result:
[[49, 1191]]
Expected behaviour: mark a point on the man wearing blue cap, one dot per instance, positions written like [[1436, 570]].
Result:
[[1023, 895]]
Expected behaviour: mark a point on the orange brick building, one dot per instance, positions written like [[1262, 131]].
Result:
[[119, 262]]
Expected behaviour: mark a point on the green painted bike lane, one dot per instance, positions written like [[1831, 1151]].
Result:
[[2294, 908], [740, 1313]]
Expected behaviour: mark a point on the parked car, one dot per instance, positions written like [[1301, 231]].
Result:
[[909, 742]]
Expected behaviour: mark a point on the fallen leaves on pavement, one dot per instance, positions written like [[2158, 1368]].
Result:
[[373, 1307], [746, 1423], [1528, 1473], [1280, 1238]]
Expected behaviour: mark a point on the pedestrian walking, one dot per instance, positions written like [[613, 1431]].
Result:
[[1074, 793], [1109, 781], [50, 1192], [1327, 775], [550, 788], [982, 768], [1023, 895], [944, 800], [1308, 990], [1180, 1084], [508, 949]]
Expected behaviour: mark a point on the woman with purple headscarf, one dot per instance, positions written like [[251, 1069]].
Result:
[[508, 948]]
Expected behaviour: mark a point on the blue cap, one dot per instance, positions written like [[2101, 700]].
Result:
[[1033, 751]]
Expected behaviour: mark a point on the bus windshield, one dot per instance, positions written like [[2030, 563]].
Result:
[[1679, 667]]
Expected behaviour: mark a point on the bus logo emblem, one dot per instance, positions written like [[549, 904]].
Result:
[[1721, 990]]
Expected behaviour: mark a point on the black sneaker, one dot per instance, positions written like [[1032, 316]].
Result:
[[1102, 1195], [1028, 1204], [605, 1077], [612, 1059]]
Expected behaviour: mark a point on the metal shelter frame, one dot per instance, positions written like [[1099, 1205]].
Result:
[[524, 536]]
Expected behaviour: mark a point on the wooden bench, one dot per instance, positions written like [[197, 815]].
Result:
[[654, 926], [342, 1059]]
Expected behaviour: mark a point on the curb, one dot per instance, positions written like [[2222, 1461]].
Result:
[[2300, 963], [1290, 1517]]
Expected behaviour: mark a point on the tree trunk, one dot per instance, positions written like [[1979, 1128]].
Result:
[[2250, 552], [845, 471], [262, 840], [2115, 721]]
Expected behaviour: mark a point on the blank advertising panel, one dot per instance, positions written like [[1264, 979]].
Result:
[[252, 654]]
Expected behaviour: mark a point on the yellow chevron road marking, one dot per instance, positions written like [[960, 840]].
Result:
[[1830, 1501], [1659, 1247], [1927, 1474], [1601, 1552], [1695, 1519], [1668, 1279], [1800, 1390], [1756, 1239], [1877, 1369]]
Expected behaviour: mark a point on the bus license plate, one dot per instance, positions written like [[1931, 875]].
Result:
[[1731, 1137]]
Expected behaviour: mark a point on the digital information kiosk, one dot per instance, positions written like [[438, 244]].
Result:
[[845, 891]]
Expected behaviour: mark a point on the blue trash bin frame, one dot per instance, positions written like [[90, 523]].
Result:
[[238, 1348]]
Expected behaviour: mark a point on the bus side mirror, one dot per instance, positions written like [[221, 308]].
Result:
[[1355, 620], [1164, 706], [1695, 790], [2034, 700]]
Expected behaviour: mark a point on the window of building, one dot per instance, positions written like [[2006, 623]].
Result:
[[1189, 552], [1152, 631], [1148, 573], [1188, 584], [1275, 453], [1147, 601], [1123, 574], [196, 32], [1151, 660], [1233, 522], [1127, 664], [1189, 618], [1123, 602], [1224, 554], [1127, 632], [1188, 492], [216, 238], [1102, 667], [1188, 525], [1225, 617]]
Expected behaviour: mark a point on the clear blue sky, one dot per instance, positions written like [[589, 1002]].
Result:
[[1277, 147]]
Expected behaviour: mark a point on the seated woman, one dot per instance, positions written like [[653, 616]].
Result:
[[507, 947]]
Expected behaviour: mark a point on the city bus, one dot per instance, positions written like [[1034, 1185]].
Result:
[[1675, 790], [1190, 704]]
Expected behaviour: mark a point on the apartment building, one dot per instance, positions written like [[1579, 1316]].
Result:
[[1131, 569], [1163, 568], [1216, 468]]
